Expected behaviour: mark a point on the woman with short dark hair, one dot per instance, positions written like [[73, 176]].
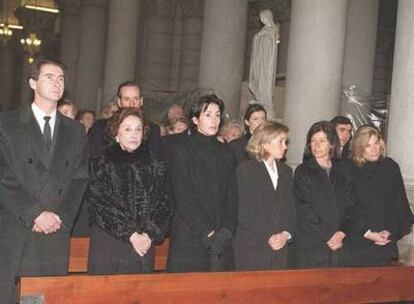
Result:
[[266, 218], [204, 194], [382, 214], [323, 202], [128, 208]]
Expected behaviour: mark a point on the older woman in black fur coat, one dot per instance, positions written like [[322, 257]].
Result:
[[128, 209]]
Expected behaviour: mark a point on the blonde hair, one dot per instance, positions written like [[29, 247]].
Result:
[[262, 135], [361, 139]]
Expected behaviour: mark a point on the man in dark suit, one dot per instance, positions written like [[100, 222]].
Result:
[[129, 96], [343, 127], [43, 174]]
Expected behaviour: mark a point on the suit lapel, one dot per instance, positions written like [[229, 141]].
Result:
[[34, 136], [265, 176]]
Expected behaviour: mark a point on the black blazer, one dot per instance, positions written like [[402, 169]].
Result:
[[33, 180], [323, 205], [263, 211]]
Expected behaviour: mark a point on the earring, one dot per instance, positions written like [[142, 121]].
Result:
[[116, 138]]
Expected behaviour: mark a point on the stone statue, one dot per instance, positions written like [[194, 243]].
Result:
[[263, 62]]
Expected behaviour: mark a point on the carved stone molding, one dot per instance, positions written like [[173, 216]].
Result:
[[192, 8], [69, 7], [36, 21], [161, 8]]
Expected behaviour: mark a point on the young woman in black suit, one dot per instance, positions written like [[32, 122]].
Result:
[[266, 218], [204, 194]]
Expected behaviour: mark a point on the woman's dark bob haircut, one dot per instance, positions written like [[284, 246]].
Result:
[[202, 104], [116, 120], [327, 128]]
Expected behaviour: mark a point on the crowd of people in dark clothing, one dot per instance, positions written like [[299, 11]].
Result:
[[238, 205], [224, 206]]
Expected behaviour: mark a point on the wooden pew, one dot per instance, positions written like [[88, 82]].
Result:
[[79, 249], [341, 285]]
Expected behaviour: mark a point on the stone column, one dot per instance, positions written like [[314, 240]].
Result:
[[156, 66], [69, 48], [192, 26], [314, 67], [401, 115], [222, 50], [121, 45], [91, 53], [6, 76], [361, 38]]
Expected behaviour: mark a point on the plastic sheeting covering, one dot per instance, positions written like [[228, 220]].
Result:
[[362, 108]]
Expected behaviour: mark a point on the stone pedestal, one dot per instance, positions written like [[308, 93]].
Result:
[[222, 50], [314, 68]]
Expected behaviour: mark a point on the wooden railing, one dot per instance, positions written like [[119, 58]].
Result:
[[341, 285]]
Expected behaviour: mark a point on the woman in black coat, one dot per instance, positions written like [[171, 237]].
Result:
[[254, 117], [266, 218], [128, 209], [205, 202], [382, 214], [324, 201]]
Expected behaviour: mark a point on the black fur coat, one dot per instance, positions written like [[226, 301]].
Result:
[[126, 194]]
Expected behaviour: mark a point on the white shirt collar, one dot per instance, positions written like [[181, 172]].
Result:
[[39, 114], [274, 175]]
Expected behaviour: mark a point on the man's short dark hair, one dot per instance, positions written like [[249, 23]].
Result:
[[340, 120], [37, 65], [202, 104], [127, 83]]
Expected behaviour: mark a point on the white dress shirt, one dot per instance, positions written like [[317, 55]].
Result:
[[38, 114], [274, 176]]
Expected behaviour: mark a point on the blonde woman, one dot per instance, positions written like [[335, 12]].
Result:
[[266, 217], [381, 214]]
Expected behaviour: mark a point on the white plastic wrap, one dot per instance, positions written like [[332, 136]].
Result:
[[362, 108]]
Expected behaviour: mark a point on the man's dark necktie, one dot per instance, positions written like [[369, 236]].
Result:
[[47, 133]]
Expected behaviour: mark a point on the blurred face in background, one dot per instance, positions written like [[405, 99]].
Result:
[[255, 120], [344, 133], [130, 97], [68, 111], [87, 120]]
